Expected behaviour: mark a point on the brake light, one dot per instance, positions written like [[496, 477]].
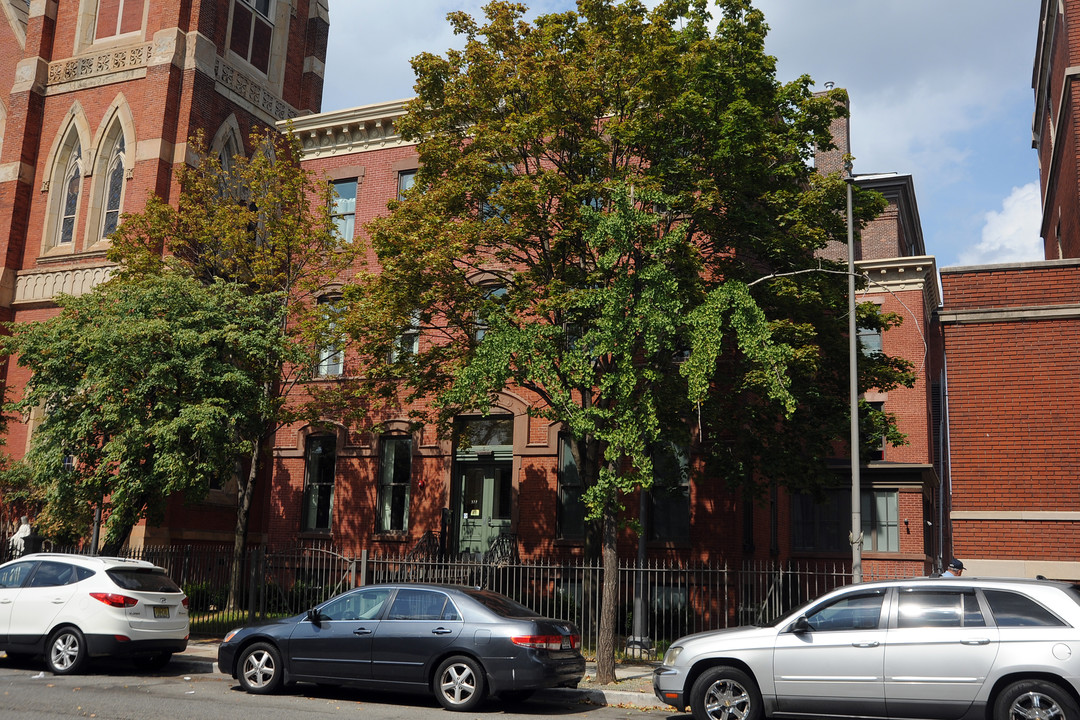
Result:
[[115, 600], [184, 602], [542, 642]]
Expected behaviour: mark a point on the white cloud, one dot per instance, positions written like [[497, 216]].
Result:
[[1011, 234]]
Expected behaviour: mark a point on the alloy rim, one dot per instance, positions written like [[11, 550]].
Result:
[[727, 700], [259, 669], [458, 683], [64, 651], [1035, 706]]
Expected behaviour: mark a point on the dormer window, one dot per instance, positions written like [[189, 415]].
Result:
[[252, 32]]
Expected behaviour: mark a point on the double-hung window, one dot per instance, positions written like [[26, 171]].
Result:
[[395, 477], [252, 32], [318, 504], [118, 17], [343, 207], [669, 498], [570, 519], [405, 180], [331, 359]]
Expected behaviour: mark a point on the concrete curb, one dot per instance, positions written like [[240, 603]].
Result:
[[202, 663]]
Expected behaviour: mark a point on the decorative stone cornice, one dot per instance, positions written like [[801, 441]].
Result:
[[903, 274], [98, 68], [344, 132], [37, 286], [254, 93]]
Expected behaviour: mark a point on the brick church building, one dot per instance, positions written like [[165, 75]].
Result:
[[98, 100]]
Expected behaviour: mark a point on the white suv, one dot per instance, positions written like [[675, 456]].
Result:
[[73, 607]]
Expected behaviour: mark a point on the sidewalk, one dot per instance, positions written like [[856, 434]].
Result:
[[632, 688]]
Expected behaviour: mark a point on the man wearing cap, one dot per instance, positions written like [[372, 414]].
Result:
[[955, 569]]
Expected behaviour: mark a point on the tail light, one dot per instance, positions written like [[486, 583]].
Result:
[[545, 642], [184, 602], [115, 600]]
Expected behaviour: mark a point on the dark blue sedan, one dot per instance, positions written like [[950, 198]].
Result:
[[460, 643]]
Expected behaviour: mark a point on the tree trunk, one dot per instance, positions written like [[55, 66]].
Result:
[[243, 510], [605, 643]]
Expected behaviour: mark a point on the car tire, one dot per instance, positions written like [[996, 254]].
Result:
[[259, 669], [726, 693], [459, 684], [65, 652], [1028, 698], [515, 697]]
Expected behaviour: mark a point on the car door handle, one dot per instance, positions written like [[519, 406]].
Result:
[[361, 631], [441, 631], [978, 641], [58, 601], [865, 644]]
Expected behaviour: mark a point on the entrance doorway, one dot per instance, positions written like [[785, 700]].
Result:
[[482, 496], [486, 504]]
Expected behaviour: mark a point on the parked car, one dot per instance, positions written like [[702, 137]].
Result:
[[460, 643], [70, 608], [940, 648]]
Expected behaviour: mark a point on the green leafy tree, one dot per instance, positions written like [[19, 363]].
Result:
[[149, 387], [263, 224], [621, 199]]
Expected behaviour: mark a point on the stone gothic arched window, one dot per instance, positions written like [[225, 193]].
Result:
[[114, 188], [72, 184]]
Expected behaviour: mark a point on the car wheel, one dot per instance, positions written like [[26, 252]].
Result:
[[260, 669], [65, 653], [725, 693], [513, 697], [156, 661], [1034, 699], [459, 684]]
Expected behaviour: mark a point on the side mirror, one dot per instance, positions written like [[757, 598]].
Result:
[[801, 625], [314, 616]]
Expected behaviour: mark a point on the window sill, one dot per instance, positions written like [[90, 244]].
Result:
[[393, 536]]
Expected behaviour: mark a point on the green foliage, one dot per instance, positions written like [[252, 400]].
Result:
[[149, 387], [639, 188], [600, 193], [205, 596]]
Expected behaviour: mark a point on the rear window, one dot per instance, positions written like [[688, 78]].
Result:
[[1012, 609], [501, 605], [144, 579]]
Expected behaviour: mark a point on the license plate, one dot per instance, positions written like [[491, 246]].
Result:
[[565, 643], [161, 611]]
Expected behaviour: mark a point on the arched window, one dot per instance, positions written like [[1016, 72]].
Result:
[[114, 188], [70, 204]]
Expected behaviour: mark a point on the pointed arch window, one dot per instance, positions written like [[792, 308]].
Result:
[[71, 188], [114, 188]]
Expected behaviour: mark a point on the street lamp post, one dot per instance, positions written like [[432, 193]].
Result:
[[853, 350]]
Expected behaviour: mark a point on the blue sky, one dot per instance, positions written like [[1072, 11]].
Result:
[[939, 90]]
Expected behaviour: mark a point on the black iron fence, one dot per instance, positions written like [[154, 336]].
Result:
[[671, 599]]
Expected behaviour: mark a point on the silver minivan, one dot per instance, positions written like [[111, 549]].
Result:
[[934, 648]]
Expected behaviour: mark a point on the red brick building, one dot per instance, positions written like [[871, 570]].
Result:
[[1011, 342], [384, 492], [105, 93], [99, 99]]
